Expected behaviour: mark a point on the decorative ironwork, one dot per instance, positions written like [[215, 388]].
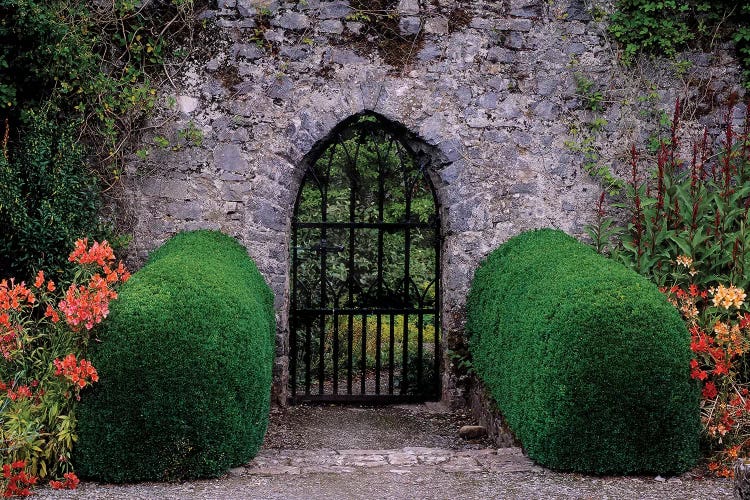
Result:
[[364, 317]]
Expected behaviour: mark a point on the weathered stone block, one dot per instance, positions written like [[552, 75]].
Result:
[[228, 157], [436, 25], [291, 21], [334, 10], [331, 26], [408, 7], [410, 25]]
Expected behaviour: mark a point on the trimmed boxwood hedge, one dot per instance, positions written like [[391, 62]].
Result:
[[185, 367], [587, 360]]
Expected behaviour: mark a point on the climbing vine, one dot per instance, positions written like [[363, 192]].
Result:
[[668, 26], [77, 77]]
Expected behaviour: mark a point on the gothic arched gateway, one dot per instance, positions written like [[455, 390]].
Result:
[[365, 317]]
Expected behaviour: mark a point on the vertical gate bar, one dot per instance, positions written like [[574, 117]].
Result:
[[407, 272], [293, 314], [335, 352], [308, 348], [350, 354], [363, 388], [390, 355], [378, 325], [420, 338], [352, 163], [405, 360], [381, 212], [324, 272], [321, 354]]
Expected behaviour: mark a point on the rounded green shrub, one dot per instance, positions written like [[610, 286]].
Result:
[[185, 367], [587, 360]]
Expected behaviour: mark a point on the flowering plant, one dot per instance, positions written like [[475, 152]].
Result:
[[719, 326], [698, 209], [44, 333]]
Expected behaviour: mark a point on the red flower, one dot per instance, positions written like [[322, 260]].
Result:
[[695, 372], [722, 368], [70, 483], [39, 279], [76, 372], [52, 314], [709, 391]]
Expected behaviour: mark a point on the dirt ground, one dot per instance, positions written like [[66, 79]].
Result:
[[385, 427], [396, 452]]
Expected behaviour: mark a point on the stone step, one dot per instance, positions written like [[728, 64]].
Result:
[[398, 461]]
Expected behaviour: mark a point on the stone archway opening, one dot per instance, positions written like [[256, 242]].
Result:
[[364, 315]]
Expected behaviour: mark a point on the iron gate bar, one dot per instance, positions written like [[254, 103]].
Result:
[[369, 399], [352, 213], [359, 310], [407, 263], [391, 350], [335, 353], [363, 388], [364, 225], [362, 300], [308, 348], [378, 339]]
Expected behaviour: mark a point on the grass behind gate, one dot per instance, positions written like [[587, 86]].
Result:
[[587, 360], [184, 366]]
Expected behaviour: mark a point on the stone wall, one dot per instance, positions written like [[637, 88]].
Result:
[[515, 97]]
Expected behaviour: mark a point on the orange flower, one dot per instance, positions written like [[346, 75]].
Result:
[[39, 279], [52, 314], [684, 261], [727, 297], [722, 332], [76, 372]]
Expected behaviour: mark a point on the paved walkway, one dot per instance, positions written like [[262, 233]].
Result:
[[398, 461], [397, 453]]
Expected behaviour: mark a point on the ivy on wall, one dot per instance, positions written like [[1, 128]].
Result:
[[76, 77], [667, 26]]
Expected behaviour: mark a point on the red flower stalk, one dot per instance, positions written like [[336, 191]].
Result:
[[600, 206], [717, 225], [661, 161], [694, 176], [675, 215], [694, 220]]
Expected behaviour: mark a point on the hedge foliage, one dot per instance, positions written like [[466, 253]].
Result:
[[587, 360], [185, 367], [48, 199]]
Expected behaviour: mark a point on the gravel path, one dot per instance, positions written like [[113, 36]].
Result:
[[401, 452]]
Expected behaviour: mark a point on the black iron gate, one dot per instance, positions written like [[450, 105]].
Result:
[[364, 316]]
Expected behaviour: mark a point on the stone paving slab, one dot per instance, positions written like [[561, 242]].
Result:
[[397, 461]]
